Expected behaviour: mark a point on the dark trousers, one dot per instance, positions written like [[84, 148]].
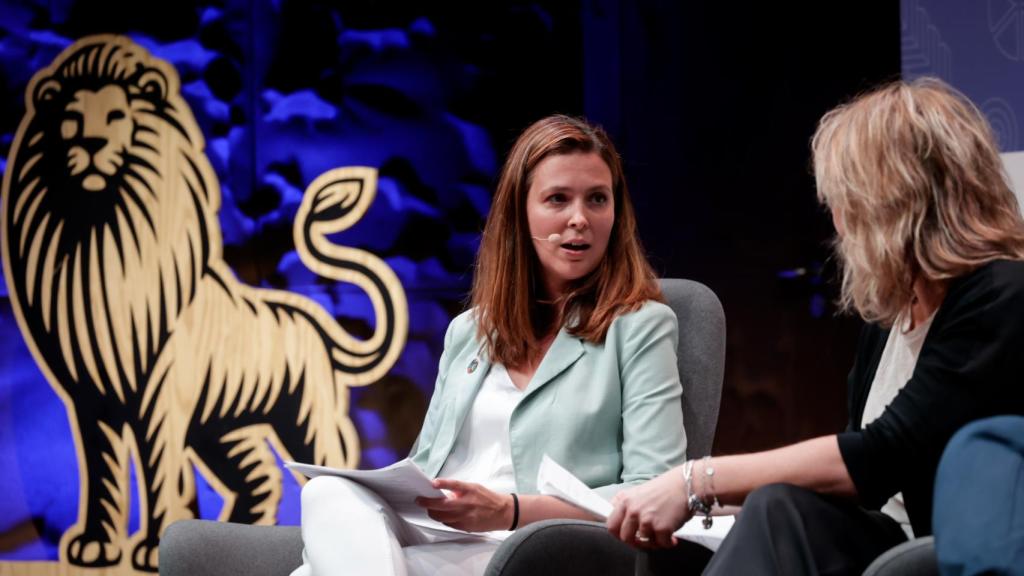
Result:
[[790, 531], [978, 516]]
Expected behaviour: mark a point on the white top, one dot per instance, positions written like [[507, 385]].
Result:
[[894, 370], [482, 451]]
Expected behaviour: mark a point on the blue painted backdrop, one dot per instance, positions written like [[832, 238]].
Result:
[[284, 90], [711, 105], [977, 46]]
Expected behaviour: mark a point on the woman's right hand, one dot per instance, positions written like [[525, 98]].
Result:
[[470, 507], [645, 516]]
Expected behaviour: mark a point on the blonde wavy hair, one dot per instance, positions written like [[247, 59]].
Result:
[[913, 176]]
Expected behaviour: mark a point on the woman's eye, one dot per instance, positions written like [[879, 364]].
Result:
[[599, 198], [556, 198]]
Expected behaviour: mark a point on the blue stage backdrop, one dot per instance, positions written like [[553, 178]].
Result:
[[977, 47], [283, 91]]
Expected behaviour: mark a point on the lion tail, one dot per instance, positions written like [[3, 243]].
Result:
[[334, 202]]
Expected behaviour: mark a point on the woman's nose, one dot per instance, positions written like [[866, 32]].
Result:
[[578, 219]]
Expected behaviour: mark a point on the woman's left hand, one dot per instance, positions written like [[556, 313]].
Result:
[[470, 507], [646, 516]]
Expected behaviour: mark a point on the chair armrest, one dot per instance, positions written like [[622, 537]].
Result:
[[566, 547], [206, 548], [913, 558]]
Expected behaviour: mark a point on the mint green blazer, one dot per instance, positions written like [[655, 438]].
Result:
[[610, 413]]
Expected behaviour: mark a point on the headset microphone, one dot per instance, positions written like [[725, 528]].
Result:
[[553, 238]]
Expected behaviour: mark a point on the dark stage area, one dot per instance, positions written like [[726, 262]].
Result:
[[711, 104]]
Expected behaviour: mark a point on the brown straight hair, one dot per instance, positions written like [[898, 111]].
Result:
[[505, 297]]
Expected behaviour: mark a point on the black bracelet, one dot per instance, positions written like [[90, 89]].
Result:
[[515, 511]]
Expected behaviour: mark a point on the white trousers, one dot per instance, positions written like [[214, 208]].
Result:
[[347, 529]]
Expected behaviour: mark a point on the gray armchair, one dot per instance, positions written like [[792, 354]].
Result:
[[205, 548], [913, 558]]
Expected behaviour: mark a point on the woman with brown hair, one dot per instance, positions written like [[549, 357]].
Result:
[[567, 350], [931, 239]]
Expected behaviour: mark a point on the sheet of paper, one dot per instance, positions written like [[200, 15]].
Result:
[[399, 484], [554, 480], [710, 538]]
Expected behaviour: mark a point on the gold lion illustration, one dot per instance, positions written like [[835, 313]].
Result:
[[112, 255]]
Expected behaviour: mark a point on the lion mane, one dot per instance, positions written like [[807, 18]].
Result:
[[112, 255]]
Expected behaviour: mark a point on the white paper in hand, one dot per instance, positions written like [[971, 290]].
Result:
[[553, 480], [399, 484], [710, 538]]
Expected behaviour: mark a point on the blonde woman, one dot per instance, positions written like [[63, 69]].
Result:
[[931, 239]]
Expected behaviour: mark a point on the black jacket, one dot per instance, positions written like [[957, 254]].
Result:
[[971, 366]]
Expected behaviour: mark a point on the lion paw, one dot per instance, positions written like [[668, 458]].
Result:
[[146, 556], [84, 551]]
